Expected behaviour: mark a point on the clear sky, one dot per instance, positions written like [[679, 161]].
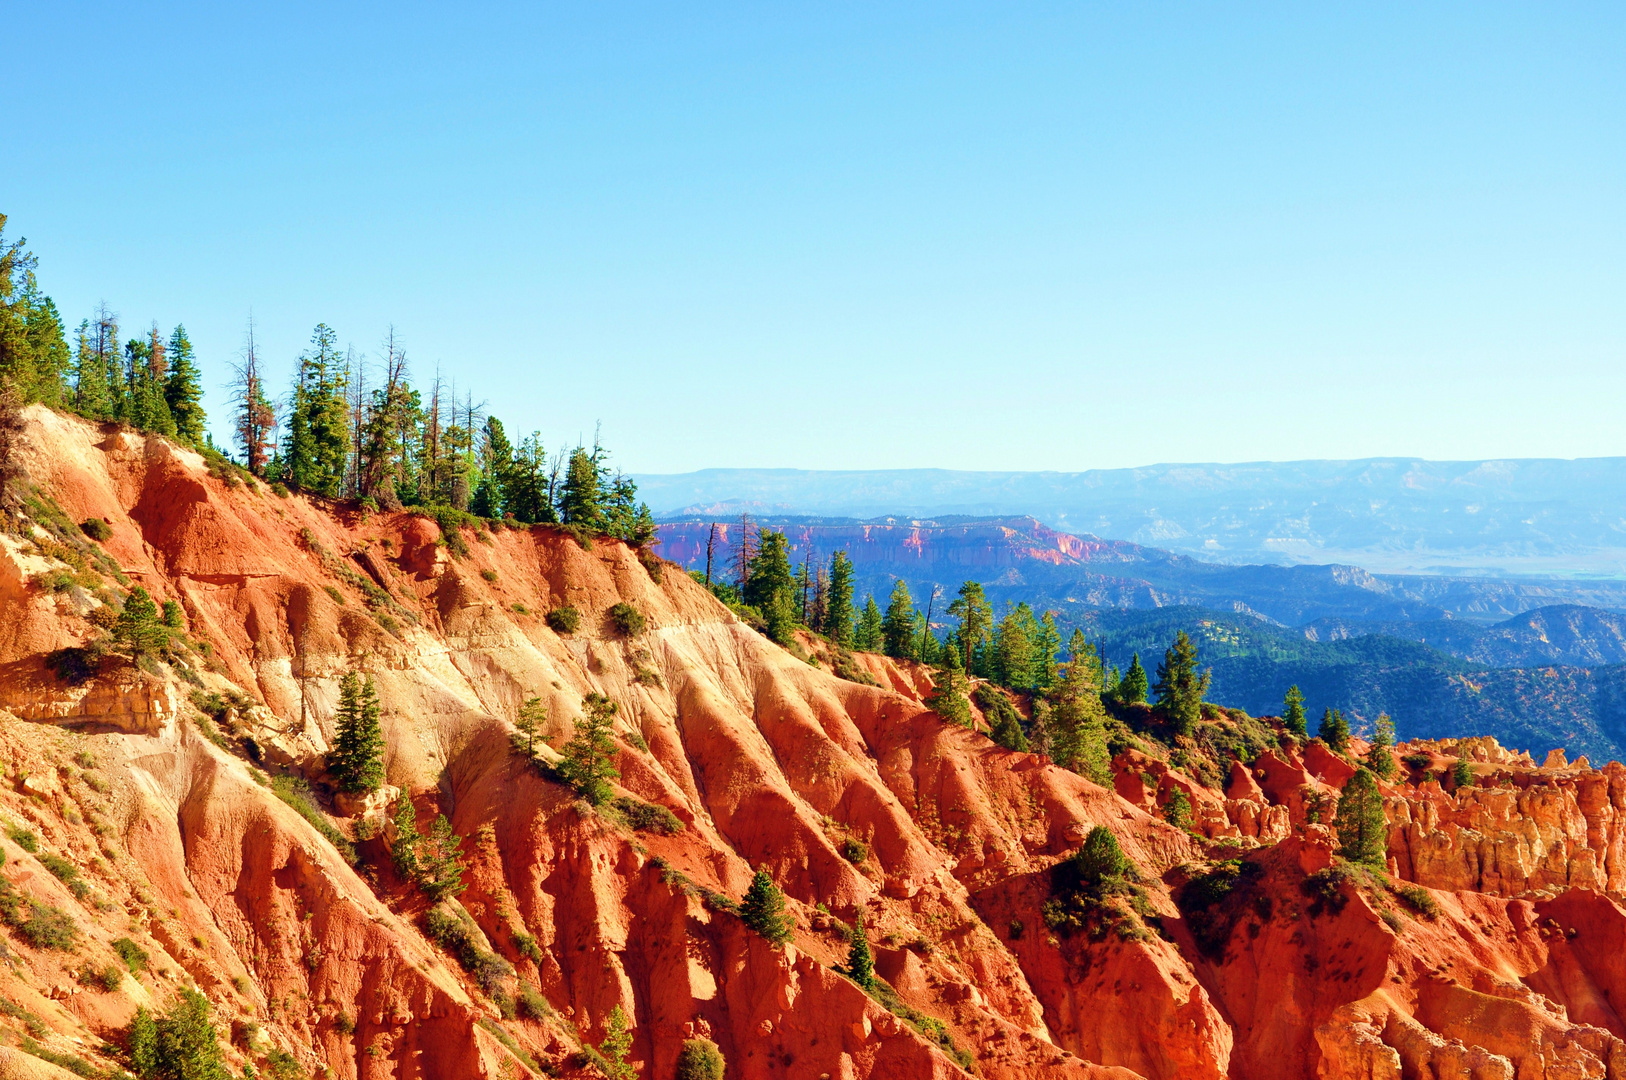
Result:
[[869, 235]]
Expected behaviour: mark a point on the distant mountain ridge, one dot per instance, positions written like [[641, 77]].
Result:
[[1528, 516], [1021, 558]]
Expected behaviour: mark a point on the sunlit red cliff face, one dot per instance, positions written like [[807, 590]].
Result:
[[767, 760]]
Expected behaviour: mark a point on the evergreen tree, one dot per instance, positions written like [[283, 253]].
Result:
[[1363, 834], [1012, 657], [1380, 756], [357, 760], [404, 853], [1462, 774], [318, 448], [92, 397], [525, 488], [532, 715], [183, 390], [492, 496], [1132, 688], [869, 636], [581, 501], [1177, 810], [1293, 713], [1100, 861], [1179, 688], [898, 626], [860, 962], [33, 352], [771, 588], [838, 612], [1046, 643], [1075, 722], [440, 873], [947, 698], [763, 909], [617, 1045], [1006, 729], [1334, 730], [182, 1045], [138, 627], [589, 756], [976, 617]]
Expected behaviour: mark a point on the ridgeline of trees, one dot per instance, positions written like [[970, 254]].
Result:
[[348, 428]]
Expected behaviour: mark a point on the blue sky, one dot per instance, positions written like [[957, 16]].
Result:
[[867, 235]]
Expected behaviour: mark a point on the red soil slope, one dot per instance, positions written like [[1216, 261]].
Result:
[[768, 761]]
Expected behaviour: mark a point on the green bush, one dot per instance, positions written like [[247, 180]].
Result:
[[133, 955], [489, 575], [627, 620], [67, 873], [647, 817], [24, 838], [700, 1059], [453, 932], [564, 620], [279, 489], [1419, 900], [854, 850], [49, 927], [296, 793], [109, 977], [180, 1045], [97, 529]]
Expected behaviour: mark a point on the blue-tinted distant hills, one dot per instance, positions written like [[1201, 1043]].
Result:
[[1394, 515]]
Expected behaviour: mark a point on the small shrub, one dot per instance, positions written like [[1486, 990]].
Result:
[[49, 927], [854, 850], [108, 977], [24, 838], [489, 575], [67, 873], [648, 817], [564, 620], [1325, 888], [284, 1066], [343, 1024], [530, 1002], [627, 620], [521, 609], [97, 529], [700, 1059], [296, 793], [653, 566], [646, 676], [334, 594], [525, 945], [1418, 761], [1016, 929], [279, 489], [452, 933], [1177, 810], [74, 666], [1391, 919], [1419, 900]]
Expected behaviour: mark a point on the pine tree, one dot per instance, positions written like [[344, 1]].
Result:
[[1462, 774], [182, 1045], [357, 760], [183, 390], [771, 588], [1133, 686], [1363, 833], [1293, 718], [947, 698], [1099, 861], [1334, 730], [91, 396], [615, 1048], [1006, 729], [138, 627], [1380, 756], [581, 501], [404, 853], [976, 617], [1046, 643], [838, 612], [589, 756], [532, 715], [440, 873], [491, 495], [763, 909], [898, 626], [1075, 724], [869, 636], [860, 962], [1013, 648], [1179, 688], [318, 448]]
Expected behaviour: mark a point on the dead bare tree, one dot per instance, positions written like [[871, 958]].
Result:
[[255, 419]]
